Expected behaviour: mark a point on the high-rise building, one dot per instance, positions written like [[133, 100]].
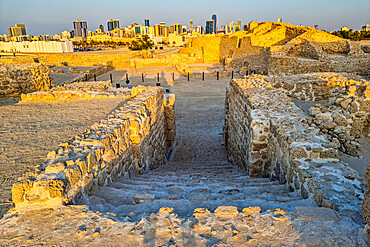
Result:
[[101, 27], [366, 28], [15, 31], [191, 25], [176, 28], [80, 28], [240, 23], [112, 24], [214, 18], [23, 28], [209, 26], [146, 23]]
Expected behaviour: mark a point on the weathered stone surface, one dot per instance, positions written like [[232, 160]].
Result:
[[139, 198], [316, 213]]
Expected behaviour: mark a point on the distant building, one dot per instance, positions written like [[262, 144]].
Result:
[[240, 23], [15, 31], [280, 20], [209, 26], [37, 46], [366, 28], [344, 29], [214, 18], [112, 24], [23, 28], [317, 27], [176, 28], [146, 23], [191, 25], [80, 28], [101, 27]]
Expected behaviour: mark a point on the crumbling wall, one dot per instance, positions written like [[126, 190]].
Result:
[[132, 139], [285, 65], [265, 133], [16, 79], [366, 203], [209, 46]]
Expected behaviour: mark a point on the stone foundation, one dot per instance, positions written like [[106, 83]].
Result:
[[16, 79], [266, 134], [132, 139]]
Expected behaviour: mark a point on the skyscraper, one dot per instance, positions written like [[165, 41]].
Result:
[[23, 28], [240, 23], [146, 23], [209, 26], [113, 24], [191, 25], [80, 28], [214, 18], [101, 27]]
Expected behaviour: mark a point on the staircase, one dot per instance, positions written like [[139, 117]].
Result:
[[187, 186]]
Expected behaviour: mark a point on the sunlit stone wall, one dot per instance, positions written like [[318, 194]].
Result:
[[132, 139], [16, 79], [266, 134]]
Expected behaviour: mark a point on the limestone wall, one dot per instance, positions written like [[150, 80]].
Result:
[[285, 65], [132, 139], [265, 133], [16, 79], [366, 203], [209, 46]]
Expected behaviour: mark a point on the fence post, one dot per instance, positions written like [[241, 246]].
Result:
[[142, 77], [203, 76], [111, 78], [188, 76], [232, 75], [85, 77], [218, 75], [157, 76], [173, 76], [94, 77]]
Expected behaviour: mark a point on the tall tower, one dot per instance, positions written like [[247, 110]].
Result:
[[23, 28], [146, 22], [113, 24], [191, 25], [240, 23], [210, 26], [80, 28], [214, 18]]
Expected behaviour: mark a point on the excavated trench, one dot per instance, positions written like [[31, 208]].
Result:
[[198, 174]]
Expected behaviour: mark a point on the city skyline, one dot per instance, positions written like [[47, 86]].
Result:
[[330, 15]]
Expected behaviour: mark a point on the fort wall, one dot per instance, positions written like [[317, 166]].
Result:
[[23, 78], [266, 134], [133, 138]]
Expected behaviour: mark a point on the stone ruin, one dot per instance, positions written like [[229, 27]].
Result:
[[269, 136], [17, 79], [282, 48]]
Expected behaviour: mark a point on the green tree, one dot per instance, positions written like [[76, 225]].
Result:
[[144, 43]]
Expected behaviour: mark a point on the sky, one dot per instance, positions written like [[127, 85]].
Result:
[[51, 17]]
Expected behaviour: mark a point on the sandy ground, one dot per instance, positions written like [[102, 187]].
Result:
[[28, 131]]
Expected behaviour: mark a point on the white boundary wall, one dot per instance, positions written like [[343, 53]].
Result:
[[37, 46]]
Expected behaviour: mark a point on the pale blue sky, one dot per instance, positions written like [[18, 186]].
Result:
[[50, 17]]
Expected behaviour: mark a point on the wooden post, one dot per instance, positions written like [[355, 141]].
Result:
[[188, 76], [203, 76], [218, 75], [173, 76], [94, 77], [232, 75], [85, 77], [142, 77], [157, 76], [111, 78]]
